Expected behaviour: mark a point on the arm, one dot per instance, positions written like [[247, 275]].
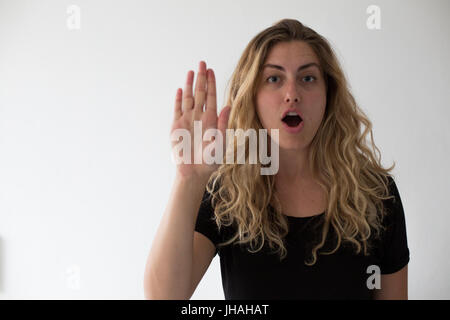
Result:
[[168, 272], [393, 286], [177, 260]]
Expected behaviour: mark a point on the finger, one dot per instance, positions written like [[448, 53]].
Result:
[[188, 99], [211, 96], [178, 98], [200, 89]]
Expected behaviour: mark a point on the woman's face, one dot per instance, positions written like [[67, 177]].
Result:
[[294, 82]]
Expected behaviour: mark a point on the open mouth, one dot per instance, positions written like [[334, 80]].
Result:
[[292, 119]]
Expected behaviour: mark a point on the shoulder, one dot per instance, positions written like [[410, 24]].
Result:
[[393, 205], [394, 241]]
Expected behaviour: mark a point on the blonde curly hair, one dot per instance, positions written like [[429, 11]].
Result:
[[354, 181]]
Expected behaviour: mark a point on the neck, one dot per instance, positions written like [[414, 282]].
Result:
[[294, 167]]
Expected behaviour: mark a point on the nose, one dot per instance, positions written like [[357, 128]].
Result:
[[292, 94], [288, 99]]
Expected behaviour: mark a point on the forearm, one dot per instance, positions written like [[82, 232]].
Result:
[[168, 273]]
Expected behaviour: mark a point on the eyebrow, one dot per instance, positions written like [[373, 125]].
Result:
[[299, 68]]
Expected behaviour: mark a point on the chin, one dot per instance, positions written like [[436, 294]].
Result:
[[291, 145]]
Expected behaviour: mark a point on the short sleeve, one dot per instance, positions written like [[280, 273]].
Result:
[[395, 243], [205, 223]]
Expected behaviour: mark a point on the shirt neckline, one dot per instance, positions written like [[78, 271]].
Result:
[[304, 218], [299, 218]]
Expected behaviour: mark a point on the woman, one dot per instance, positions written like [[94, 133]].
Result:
[[328, 225]]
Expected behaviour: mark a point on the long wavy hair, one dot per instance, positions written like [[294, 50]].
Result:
[[350, 173]]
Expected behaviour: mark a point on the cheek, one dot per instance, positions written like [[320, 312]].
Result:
[[316, 103], [265, 109], [264, 101]]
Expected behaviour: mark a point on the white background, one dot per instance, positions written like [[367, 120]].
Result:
[[85, 169]]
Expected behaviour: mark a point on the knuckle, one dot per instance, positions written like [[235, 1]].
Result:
[[200, 89], [200, 98]]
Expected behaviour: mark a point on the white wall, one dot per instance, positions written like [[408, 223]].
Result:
[[85, 168]]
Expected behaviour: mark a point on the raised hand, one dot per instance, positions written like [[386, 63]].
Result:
[[202, 106]]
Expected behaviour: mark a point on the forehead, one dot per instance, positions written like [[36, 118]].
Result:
[[291, 54]]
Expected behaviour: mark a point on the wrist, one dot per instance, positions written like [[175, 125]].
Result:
[[192, 179]]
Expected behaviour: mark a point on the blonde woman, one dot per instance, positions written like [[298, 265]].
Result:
[[328, 225]]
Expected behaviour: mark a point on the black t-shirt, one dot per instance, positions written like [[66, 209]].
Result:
[[341, 275]]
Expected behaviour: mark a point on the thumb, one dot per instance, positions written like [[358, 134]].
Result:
[[222, 126], [222, 122]]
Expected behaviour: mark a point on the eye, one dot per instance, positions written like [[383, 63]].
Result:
[[270, 78], [311, 78]]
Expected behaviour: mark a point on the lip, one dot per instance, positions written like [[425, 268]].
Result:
[[296, 129], [292, 110]]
